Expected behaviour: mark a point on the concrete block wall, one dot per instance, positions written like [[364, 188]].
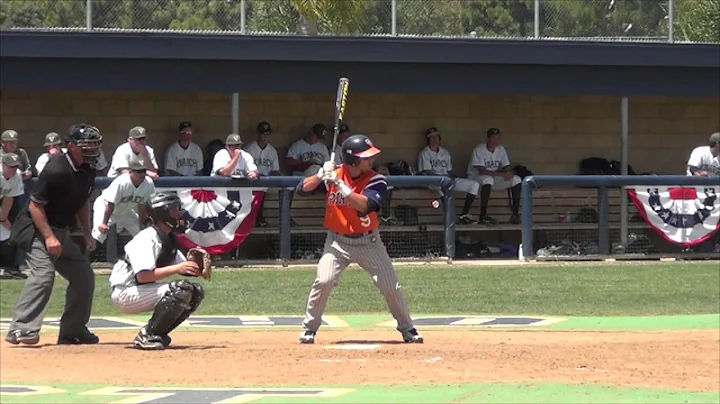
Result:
[[547, 134]]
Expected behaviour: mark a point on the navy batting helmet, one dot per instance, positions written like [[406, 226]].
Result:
[[158, 208], [357, 147]]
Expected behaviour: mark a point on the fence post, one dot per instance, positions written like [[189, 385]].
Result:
[[88, 15], [243, 15], [671, 20], [393, 17], [603, 225], [536, 19], [284, 225], [449, 213], [527, 219]]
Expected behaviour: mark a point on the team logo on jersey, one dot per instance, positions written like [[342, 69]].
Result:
[[685, 216], [219, 219], [337, 198]]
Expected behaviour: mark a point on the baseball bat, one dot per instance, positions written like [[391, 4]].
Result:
[[340, 103]]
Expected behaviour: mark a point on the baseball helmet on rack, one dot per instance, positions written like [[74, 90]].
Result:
[[158, 208], [88, 139], [357, 147]]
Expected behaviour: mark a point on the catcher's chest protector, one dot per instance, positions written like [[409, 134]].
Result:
[[169, 249]]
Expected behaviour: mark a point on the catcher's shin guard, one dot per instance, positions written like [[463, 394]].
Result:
[[198, 296], [171, 307]]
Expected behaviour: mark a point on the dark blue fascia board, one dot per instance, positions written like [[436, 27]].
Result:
[[130, 45], [34, 74]]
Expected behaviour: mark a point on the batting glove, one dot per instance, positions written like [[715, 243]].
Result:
[[329, 177], [344, 189]]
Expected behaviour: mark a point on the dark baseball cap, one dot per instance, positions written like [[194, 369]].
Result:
[[432, 131], [320, 130], [9, 135], [11, 159], [233, 139], [343, 128], [264, 127], [137, 164], [184, 125], [137, 132], [493, 131], [52, 138], [715, 138]]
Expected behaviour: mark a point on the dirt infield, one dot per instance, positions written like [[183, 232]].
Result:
[[682, 359]]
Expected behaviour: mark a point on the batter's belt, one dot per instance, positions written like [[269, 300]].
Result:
[[356, 235]]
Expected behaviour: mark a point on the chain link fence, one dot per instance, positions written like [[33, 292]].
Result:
[[616, 20]]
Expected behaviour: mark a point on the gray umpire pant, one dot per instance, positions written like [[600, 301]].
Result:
[[73, 266]]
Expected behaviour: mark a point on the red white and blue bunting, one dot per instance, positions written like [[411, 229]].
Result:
[[686, 216]]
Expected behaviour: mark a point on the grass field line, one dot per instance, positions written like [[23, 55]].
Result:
[[479, 264]]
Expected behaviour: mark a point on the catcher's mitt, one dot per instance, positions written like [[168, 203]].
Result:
[[202, 259]]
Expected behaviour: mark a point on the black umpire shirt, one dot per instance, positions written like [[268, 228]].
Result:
[[62, 189]]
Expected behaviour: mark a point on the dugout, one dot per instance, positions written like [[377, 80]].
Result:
[[557, 102]]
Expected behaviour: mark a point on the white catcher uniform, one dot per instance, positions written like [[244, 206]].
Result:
[[148, 250], [303, 151], [440, 163], [265, 159], [184, 161], [126, 196], [703, 159], [244, 164], [123, 155], [492, 161]]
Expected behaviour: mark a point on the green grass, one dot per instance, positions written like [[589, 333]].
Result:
[[619, 289]]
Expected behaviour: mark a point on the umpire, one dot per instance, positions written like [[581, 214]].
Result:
[[42, 231]]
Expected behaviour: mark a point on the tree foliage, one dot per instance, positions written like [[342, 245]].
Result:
[[695, 20]]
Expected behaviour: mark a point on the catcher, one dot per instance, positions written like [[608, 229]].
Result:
[[153, 255]]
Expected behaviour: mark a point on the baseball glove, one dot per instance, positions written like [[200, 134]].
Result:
[[202, 259]]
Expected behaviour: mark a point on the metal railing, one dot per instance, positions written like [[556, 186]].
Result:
[[603, 183], [285, 186], [595, 20]]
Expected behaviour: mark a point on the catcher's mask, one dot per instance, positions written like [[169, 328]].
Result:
[[88, 139], [159, 208], [357, 147]]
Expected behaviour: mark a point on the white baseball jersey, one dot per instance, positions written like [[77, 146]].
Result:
[[265, 159], [99, 165], [141, 254], [11, 187], [438, 162], [186, 161], [303, 151], [492, 161], [244, 164], [703, 159], [125, 195], [123, 155]]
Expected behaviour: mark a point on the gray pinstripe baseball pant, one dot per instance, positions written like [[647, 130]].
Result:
[[369, 252]]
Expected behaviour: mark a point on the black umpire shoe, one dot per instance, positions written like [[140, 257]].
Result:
[[166, 340], [86, 338], [16, 337]]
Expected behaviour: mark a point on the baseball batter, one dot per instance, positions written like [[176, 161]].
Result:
[[150, 256], [435, 160], [122, 202], [354, 194]]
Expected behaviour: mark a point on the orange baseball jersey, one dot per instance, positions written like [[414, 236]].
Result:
[[342, 218]]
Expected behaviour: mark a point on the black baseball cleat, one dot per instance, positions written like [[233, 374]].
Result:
[[86, 338], [412, 336], [16, 337], [166, 340], [149, 342], [307, 337]]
